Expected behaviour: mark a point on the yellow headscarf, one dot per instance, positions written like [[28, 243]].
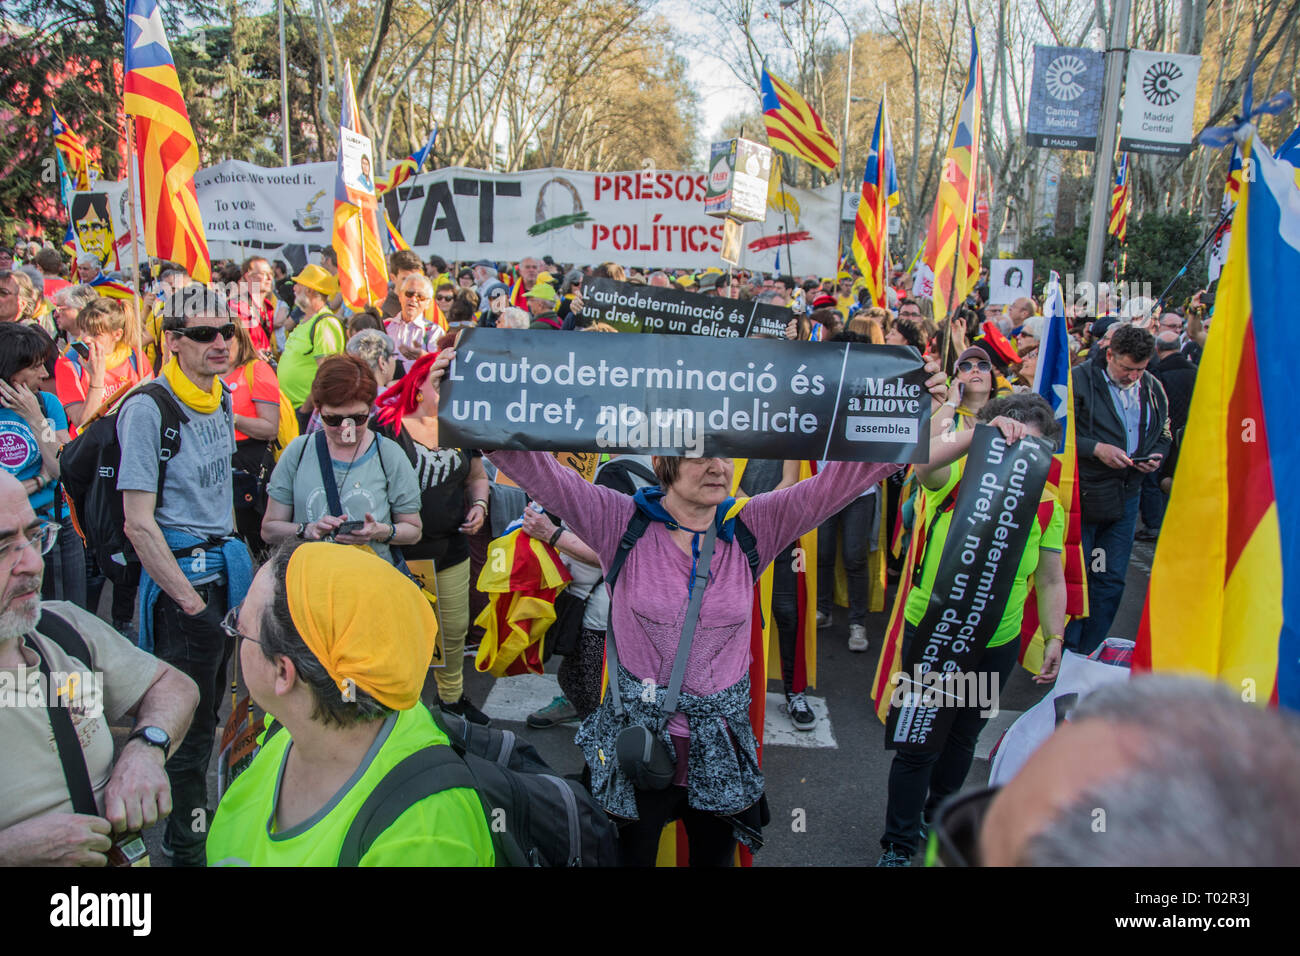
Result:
[[205, 403], [367, 624]]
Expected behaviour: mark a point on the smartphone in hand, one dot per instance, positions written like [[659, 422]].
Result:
[[349, 527]]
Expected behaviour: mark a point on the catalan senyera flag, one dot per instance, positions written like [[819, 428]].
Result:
[[953, 218], [1218, 253], [1121, 200], [363, 271], [521, 603], [879, 195], [1224, 597], [794, 127], [1053, 382], [73, 151], [165, 147]]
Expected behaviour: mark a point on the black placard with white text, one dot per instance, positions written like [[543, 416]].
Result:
[[670, 311], [685, 395], [996, 506]]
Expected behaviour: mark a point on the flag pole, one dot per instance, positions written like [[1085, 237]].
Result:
[[135, 238]]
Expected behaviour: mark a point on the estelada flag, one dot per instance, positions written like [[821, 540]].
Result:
[[166, 150], [73, 151], [1120, 202], [879, 195], [1053, 382], [522, 577], [1224, 597], [794, 127]]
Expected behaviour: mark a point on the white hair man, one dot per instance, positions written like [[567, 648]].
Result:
[[96, 675]]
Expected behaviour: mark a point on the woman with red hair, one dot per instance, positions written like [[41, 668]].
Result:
[[453, 504]]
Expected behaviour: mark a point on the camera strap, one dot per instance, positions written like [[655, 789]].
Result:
[[698, 584], [71, 755]]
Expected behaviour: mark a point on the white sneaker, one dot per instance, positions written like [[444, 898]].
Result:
[[857, 637], [823, 620]]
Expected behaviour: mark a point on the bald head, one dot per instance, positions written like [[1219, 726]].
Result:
[[21, 571], [1154, 771], [1020, 310], [1166, 342]]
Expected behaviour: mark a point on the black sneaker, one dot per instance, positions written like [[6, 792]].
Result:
[[465, 708], [894, 855], [801, 714]]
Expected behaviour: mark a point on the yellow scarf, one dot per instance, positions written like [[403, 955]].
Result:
[[120, 355], [382, 647], [205, 403]]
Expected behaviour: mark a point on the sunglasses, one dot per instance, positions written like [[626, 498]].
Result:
[[416, 295], [334, 421], [955, 833], [968, 366], [230, 626], [445, 298], [203, 334]]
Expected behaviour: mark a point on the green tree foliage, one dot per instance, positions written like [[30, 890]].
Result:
[[1157, 247]]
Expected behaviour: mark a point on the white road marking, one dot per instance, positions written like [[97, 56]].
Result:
[[514, 698]]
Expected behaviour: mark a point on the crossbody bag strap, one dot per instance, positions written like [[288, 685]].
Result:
[[635, 528], [698, 584], [327, 475], [71, 756]]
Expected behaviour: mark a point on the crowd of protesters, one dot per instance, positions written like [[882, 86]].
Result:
[[305, 427]]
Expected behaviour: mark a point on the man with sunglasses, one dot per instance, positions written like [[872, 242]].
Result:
[[182, 529], [39, 822]]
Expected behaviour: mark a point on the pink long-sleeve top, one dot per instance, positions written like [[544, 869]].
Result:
[[649, 608]]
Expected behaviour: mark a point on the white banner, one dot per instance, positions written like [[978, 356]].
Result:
[[1010, 279], [645, 219], [1159, 100]]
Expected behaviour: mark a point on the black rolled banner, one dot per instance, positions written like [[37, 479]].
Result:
[[685, 395], [997, 505], [669, 311]]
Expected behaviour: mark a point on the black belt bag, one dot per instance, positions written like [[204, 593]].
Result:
[[641, 753]]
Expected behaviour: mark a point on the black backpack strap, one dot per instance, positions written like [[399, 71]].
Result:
[[749, 544], [327, 475], [67, 637], [71, 756], [422, 774], [311, 332], [169, 429]]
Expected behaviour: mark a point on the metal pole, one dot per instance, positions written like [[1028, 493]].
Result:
[[284, 89], [1101, 185]]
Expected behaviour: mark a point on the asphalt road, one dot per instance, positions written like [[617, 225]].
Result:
[[827, 803]]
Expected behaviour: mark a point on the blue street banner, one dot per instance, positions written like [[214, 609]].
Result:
[[1065, 98]]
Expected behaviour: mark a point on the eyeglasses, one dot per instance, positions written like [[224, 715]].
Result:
[[955, 832], [203, 334], [357, 418], [444, 298], [41, 537], [968, 366], [230, 626], [416, 295]]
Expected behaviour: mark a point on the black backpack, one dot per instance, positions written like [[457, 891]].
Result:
[[535, 816], [88, 469]]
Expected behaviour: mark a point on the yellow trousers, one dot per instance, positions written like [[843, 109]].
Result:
[[451, 585]]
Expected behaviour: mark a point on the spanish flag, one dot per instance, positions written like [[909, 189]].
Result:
[[166, 150], [1224, 597]]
